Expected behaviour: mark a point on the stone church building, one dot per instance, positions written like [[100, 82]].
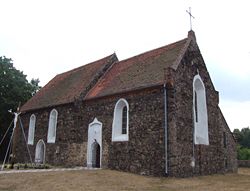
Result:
[[156, 113]]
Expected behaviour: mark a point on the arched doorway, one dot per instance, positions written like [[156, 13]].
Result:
[[40, 152], [94, 150]]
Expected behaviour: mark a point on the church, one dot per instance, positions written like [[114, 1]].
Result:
[[156, 114]]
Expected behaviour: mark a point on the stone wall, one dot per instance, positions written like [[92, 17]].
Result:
[[68, 140], [210, 158], [244, 163], [229, 146], [143, 153]]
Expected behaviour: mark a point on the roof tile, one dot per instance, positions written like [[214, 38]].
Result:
[[144, 70], [68, 86]]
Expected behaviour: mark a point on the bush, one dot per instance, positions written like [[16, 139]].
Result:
[[243, 153], [42, 166]]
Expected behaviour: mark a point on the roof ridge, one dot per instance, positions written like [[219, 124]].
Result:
[[92, 62], [79, 81], [122, 65], [155, 49]]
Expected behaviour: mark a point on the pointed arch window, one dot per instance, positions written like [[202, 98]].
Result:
[[40, 152], [120, 125], [124, 120], [200, 112], [51, 138], [32, 125]]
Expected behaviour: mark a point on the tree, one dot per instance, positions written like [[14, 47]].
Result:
[[14, 89], [243, 139], [243, 136], [243, 153]]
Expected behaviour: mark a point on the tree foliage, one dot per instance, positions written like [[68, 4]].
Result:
[[243, 136], [14, 89], [243, 139], [243, 153]]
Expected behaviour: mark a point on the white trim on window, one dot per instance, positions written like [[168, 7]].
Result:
[[200, 112], [40, 152], [117, 132], [32, 126], [51, 138]]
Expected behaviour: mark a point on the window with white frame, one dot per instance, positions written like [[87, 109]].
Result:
[[51, 138], [200, 112], [32, 125], [120, 121]]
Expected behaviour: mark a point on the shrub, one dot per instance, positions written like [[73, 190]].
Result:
[[243, 153]]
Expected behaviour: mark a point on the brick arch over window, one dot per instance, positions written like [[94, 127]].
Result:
[[200, 112], [32, 126], [120, 127], [52, 126]]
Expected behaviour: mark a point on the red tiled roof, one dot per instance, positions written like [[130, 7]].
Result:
[[144, 70], [68, 86]]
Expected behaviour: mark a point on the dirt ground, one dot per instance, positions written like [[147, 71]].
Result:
[[103, 180]]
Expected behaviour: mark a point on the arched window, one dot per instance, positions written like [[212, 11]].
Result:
[[200, 112], [52, 126], [40, 152], [32, 125], [120, 121]]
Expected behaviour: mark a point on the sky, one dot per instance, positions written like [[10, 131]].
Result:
[[48, 37]]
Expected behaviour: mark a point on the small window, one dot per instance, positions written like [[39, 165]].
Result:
[[200, 112], [32, 125], [52, 126], [225, 139], [120, 121]]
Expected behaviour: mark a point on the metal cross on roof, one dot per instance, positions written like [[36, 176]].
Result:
[[191, 16]]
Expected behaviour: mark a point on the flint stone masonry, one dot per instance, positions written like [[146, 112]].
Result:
[[145, 139], [144, 152], [244, 163]]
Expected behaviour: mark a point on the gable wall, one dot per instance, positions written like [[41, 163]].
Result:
[[208, 159]]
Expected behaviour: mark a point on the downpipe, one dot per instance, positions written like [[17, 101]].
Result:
[[165, 129]]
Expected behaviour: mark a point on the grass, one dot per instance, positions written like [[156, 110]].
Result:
[[103, 180]]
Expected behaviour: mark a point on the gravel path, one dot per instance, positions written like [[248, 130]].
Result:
[[46, 170]]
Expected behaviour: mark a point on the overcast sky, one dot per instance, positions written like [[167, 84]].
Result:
[[48, 37]]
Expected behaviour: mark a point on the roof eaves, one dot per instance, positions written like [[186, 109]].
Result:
[[124, 91], [46, 107]]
